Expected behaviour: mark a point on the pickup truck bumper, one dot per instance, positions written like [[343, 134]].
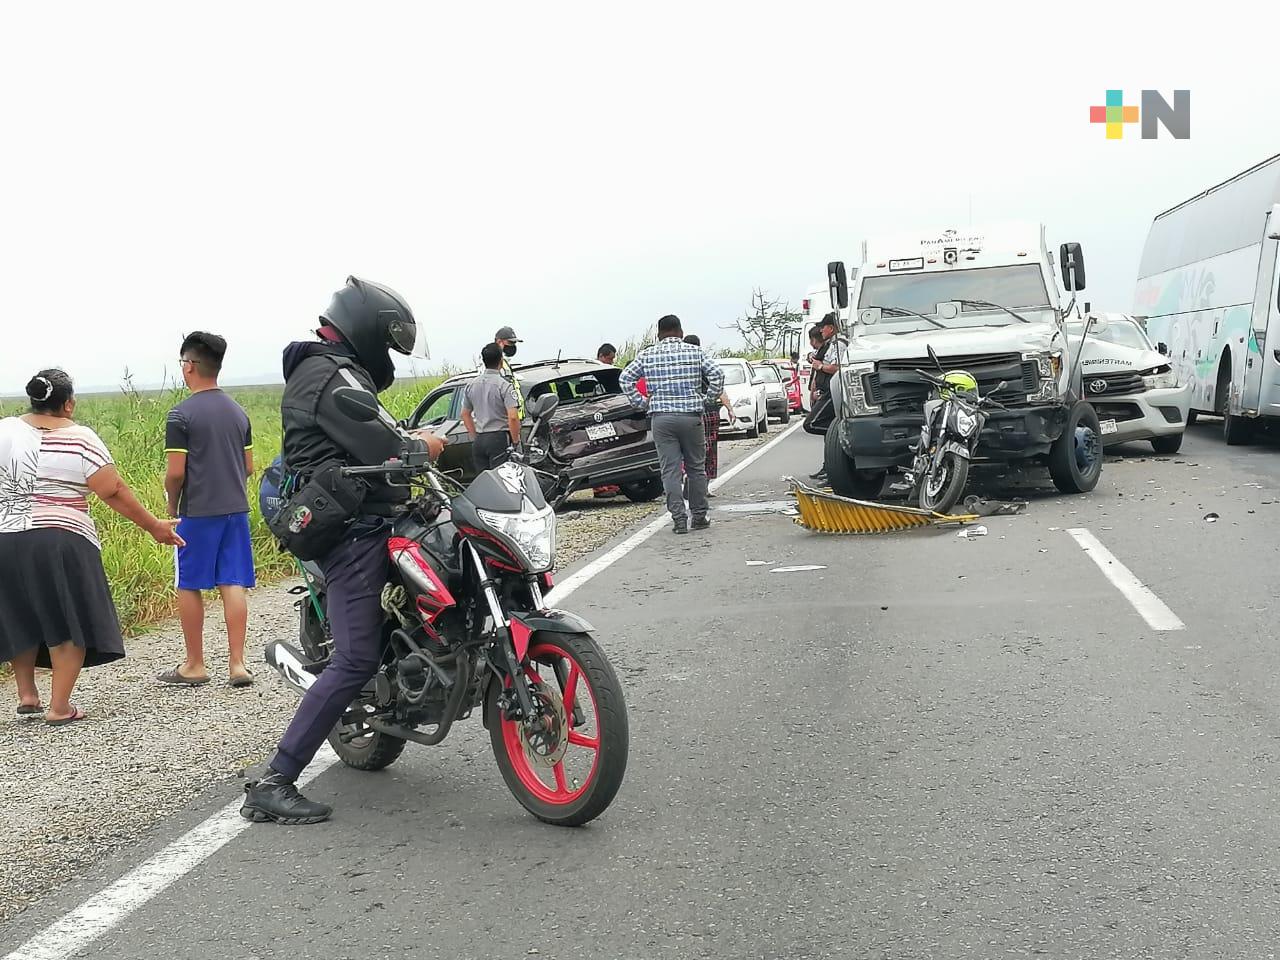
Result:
[[879, 443], [1146, 415]]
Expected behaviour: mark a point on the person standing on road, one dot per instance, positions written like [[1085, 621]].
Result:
[[208, 446], [608, 355], [55, 603], [823, 367], [363, 324], [711, 405], [491, 412], [674, 372], [506, 340]]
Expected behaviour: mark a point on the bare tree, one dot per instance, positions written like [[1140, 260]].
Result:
[[764, 326]]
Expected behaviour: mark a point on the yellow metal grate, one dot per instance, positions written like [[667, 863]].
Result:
[[826, 512]]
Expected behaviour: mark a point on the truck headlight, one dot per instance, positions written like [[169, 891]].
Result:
[[1159, 378], [1049, 369], [533, 533], [854, 383]]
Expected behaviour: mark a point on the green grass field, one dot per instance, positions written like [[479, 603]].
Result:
[[132, 426]]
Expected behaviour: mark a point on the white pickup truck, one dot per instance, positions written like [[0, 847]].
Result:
[[984, 301], [1131, 383]]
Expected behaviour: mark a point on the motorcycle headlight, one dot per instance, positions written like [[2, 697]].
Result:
[[853, 377], [1049, 368], [533, 533], [966, 423], [1159, 378]]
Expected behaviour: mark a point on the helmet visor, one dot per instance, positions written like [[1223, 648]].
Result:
[[402, 334]]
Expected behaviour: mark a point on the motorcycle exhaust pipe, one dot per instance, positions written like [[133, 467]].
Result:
[[289, 662]]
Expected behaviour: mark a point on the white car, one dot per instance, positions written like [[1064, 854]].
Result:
[[747, 394], [775, 392], [1130, 383]]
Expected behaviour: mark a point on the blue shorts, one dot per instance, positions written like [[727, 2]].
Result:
[[219, 552]]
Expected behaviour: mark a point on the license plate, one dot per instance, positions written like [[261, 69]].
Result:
[[601, 431], [1108, 426]]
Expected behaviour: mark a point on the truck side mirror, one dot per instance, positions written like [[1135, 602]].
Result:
[[1072, 259], [1163, 348], [838, 282]]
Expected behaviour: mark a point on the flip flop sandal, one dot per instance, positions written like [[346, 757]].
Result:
[[176, 679], [76, 715], [27, 710], [245, 680]]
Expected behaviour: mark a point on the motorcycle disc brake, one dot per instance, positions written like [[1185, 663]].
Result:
[[547, 746]]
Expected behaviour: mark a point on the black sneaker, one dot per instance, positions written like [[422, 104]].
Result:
[[701, 523], [820, 475], [276, 799], [680, 526]]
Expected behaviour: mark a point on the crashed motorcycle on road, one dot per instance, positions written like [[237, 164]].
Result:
[[954, 416], [466, 628]]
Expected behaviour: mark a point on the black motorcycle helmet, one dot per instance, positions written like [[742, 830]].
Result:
[[374, 320]]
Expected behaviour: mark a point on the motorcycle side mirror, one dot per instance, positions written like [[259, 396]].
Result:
[[543, 405], [933, 356], [1000, 386], [358, 405]]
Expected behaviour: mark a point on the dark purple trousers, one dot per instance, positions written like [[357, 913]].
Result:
[[355, 572]]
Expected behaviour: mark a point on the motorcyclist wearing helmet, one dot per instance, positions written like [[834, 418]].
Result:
[[363, 324]]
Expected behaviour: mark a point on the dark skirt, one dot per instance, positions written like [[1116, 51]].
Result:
[[53, 589], [711, 428]]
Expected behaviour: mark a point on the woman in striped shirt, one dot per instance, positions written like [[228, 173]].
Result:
[[55, 606]]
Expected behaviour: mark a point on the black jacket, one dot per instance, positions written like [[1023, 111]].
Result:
[[316, 432]]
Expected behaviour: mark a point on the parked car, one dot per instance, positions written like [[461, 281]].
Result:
[[791, 382], [1131, 383], [747, 395], [776, 403], [594, 437]]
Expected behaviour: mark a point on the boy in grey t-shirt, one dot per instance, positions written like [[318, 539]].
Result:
[[209, 449]]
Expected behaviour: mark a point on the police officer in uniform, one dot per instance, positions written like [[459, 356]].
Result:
[[506, 339], [363, 324]]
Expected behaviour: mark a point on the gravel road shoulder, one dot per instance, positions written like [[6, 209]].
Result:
[[76, 795]]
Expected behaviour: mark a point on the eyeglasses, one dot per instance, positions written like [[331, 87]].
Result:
[[185, 360]]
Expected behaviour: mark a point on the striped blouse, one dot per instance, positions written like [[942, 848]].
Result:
[[43, 477]]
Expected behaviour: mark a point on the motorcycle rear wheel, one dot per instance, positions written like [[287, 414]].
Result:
[[555, 787], [941, 494], [374, 751]]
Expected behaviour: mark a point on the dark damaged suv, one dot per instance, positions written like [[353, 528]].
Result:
[[594, 437]]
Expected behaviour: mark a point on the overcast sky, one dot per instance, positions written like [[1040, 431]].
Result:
[[573, 170]]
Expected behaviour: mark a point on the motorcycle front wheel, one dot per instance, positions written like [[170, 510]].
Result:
[[942, 487], [568, 771]]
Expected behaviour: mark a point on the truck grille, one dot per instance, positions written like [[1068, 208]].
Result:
[[897, 389], [1112, 384]]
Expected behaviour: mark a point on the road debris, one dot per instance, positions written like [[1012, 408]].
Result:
[[1211, 518], [799, 568], [968, 533]]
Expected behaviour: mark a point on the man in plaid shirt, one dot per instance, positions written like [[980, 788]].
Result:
[[674, 372]]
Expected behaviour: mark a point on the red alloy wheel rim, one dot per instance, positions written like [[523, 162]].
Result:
[[576, 683]]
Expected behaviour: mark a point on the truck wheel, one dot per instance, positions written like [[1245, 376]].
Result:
[[1167, 445], [841, 474], [1236, 431], [786, 415], [1075, 459]]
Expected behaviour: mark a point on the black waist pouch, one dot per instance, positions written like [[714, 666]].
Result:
[[315, 517]]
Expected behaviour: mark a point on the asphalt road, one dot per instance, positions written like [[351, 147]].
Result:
[[931, 747]]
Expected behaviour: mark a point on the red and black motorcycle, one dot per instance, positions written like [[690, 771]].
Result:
[[467, 627]]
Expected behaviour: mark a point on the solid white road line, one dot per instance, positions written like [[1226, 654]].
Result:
[[110, 907], [603, 562], [1150, 607]]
